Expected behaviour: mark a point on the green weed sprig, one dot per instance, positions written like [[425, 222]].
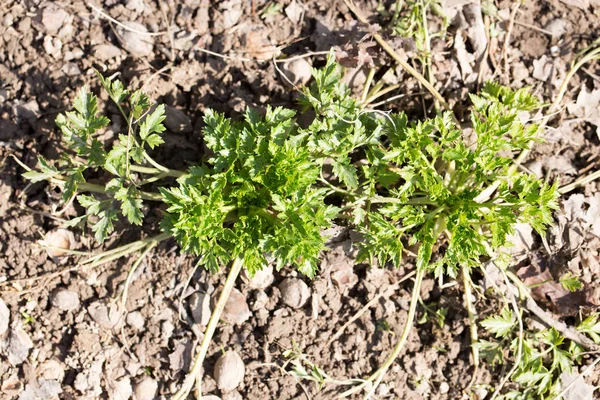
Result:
[[267, 189]]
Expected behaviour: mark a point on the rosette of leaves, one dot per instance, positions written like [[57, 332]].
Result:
[[444, 176], [256, 196]]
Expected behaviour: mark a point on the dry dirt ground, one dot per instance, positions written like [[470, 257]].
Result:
[[65, 337]]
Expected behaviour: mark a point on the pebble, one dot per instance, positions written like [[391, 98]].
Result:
[[120, 390], [43, 389], [232, 12], [444, 387], [236, 310], [167, 329], [229, 371], [298, 71], [210, 397], [51, 370], [135, 320], [177, 121], [4, 318], [59, 239], [29, 111], [557, 27], [137, 43], [200, 307], [53, 19], [52, 46], [294, 292], [104, 317], [106, 51], [18, 347], [65, 300], [262, 279], [145, 389]]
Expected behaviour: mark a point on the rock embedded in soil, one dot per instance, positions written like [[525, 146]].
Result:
[[177, 121], [200, 307], [135, 320], [51, 370], [65, 300], [236, 310], [120, 390], [53, 18], [262, 279], [298, 71], [294, 292], [18, 347], [229, 371], [59, 240], [557, 27], [145, 389], [4, 318], [138, 43], [105, 317], [106, 51]]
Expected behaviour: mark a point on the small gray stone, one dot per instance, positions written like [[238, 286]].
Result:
[[177, 121], [236, 309], [557, 27], [200, 307], [229, 371], [29, 111], [43, 389], [135, 320], [105, 317], [4, 318], [106, 51], [145, 389], [294, 292], [262, 279], [53, 18], [135, 40], [120, 390], [18, 347], [51, 370], [298, 71], [65, 300]]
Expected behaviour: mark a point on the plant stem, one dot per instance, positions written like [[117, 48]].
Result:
[[580, 182], [91, 187], [121, 251], [471, 311], [372, 72], [194, 374], [147, 170], [380, 373]]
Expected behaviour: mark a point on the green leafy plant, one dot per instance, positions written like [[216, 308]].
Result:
[[268, 188]]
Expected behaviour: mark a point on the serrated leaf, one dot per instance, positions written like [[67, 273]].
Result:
[[345, 172], [131, 204], [153, 122], [570, 282], [153, 140], [500, 325]]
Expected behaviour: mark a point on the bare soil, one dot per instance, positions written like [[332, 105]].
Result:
[[50, 49]]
